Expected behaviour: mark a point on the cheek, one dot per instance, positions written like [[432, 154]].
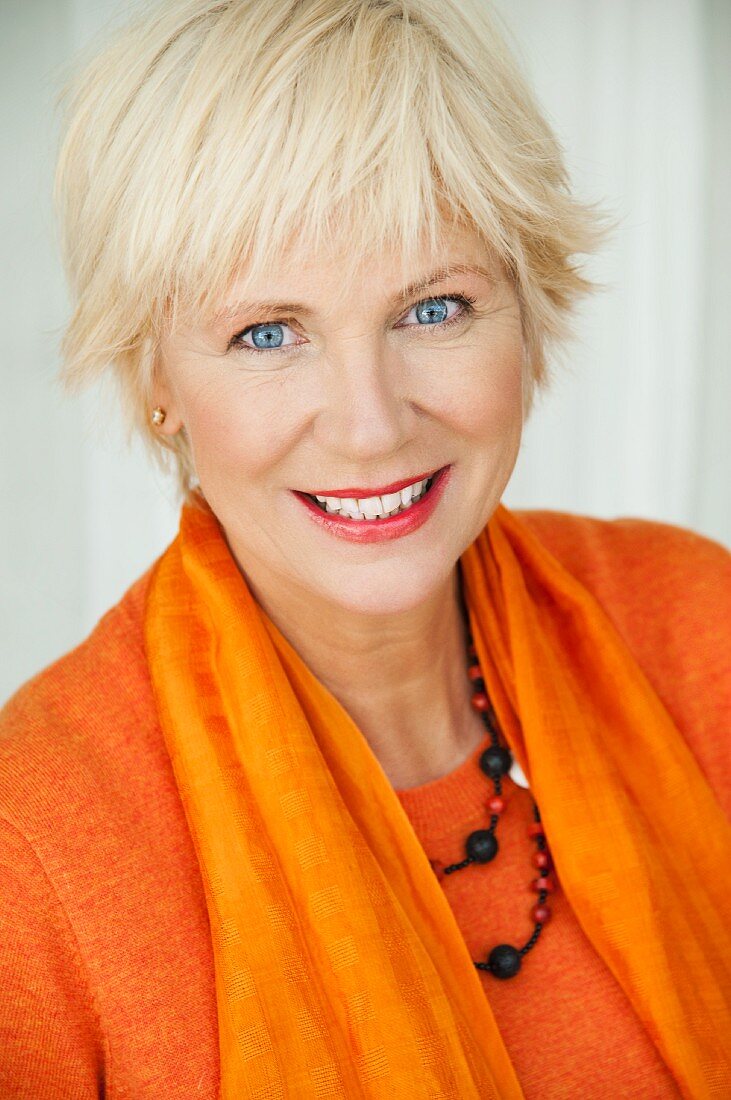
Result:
[[483, 400], [241, 425]]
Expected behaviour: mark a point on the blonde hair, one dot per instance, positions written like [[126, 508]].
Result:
[[206, 135]]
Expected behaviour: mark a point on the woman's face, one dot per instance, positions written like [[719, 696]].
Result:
[[353, 388]]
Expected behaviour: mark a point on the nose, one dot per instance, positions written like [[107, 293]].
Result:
[[364, 414]]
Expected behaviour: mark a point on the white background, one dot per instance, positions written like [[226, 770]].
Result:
[[637, 423]]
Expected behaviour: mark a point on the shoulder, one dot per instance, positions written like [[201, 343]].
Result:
[[62, 783], [59, 730], [631, 549], [667, 590], [661, 584], [101, 902]]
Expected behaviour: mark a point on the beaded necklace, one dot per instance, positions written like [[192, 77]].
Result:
[[481, 846]]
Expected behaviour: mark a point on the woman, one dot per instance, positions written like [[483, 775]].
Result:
[[368, 786]]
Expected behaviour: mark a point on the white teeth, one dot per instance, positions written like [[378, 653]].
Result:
[[350, 508], [369, 508]]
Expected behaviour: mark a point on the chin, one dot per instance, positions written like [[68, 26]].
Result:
[[389, 589]]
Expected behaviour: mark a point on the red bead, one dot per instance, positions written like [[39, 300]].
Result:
[[474, 672], [437, 867], [480, 701], [540, 914], [543, 883], [496, 805], [536, 829], [541, 860]]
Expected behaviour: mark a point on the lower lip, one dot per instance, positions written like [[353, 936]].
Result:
[[380, 530]]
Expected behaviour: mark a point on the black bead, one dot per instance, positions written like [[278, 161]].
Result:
[[504, 961], [496, 761], [481, 846]]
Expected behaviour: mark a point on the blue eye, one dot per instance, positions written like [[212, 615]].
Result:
[[432, 310], [268, 335], [432, 313]]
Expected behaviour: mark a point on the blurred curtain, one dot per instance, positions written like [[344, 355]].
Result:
[[636, 423]]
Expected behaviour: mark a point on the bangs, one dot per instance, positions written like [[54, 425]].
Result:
[[355, 139], [264, 130]]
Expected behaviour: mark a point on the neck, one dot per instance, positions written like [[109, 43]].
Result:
[[409, 697]]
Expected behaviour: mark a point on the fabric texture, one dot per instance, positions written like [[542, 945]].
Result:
[[106, 965], [349, 976]]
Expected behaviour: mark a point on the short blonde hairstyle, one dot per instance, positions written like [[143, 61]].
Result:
[[206, 136]]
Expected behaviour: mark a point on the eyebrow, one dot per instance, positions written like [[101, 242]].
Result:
[[408, 292]]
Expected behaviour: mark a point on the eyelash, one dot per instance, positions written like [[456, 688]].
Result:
[[465, 301]]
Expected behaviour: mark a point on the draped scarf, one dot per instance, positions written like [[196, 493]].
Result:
[[340, 969]]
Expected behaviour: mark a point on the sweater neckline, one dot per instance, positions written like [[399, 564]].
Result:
[[436, 806]]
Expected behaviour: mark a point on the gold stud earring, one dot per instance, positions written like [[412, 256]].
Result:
[[158, 416]]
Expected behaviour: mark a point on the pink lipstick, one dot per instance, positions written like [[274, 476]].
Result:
[[386, 527]]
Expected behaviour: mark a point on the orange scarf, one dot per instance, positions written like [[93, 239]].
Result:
[[340, 969]]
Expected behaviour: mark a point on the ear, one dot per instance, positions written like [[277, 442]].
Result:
[[162, 395]]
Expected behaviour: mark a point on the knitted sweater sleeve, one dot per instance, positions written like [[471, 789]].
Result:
[[49, 1036]]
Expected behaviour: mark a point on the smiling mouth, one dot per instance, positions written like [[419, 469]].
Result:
[[374, 508]]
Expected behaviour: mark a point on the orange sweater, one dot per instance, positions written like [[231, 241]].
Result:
[[106, 971]]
